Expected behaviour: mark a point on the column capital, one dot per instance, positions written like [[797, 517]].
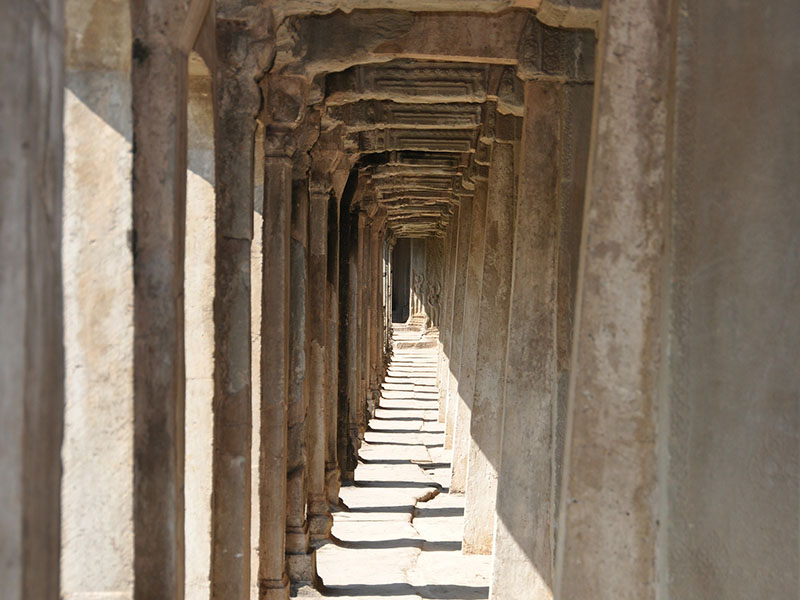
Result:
[[559, 54]]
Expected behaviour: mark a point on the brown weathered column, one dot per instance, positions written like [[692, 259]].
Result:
[[238, 101], [608, 520], [299, 560], [158, 74], [377, 308], [445, 312], [319, 516], [523, 556], [333, 476], [273, 583], [32, 356], [485, 427], [459, 267], [349, 384], [358, 400], [469, 341]]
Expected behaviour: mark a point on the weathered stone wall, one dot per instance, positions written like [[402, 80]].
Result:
[[97, 489], [731, 410]]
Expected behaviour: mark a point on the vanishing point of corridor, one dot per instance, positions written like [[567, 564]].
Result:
[[400, 535]]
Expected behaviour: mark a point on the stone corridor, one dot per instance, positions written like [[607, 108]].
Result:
[[400, 536], [402, 299]]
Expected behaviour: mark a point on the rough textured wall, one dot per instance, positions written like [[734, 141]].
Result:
[[734, 418], [97, 489], [31, 355]]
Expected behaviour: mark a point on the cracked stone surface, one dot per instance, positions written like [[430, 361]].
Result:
[[401, 535]]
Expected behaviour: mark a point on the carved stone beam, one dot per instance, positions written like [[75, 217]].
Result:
[[555, 54], [431, 140], [375, 114], [408, 81]]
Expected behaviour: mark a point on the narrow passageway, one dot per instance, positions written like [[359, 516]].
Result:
[[401, 535]]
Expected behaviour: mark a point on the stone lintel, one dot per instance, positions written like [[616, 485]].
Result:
[[379, 114]]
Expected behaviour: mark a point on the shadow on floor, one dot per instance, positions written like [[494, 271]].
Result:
[[400, 543], [428, 592]]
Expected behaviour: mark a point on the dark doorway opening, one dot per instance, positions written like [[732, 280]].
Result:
[[401, 280]]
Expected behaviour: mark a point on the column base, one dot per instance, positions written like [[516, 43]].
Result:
[[333, 483], [320, 525], [274, 589], [302, 568], [297, 539]]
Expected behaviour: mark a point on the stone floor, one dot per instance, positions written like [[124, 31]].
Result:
[[401, 537]]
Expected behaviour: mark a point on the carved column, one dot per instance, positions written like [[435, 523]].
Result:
[[158, 73], [299, 560], [459, 267], [484, 452], [319, 516], [349, 387], [469, 341], [444, 312], [332, 319], [523, 549], [273, 582], [237, 105], [358, 401]]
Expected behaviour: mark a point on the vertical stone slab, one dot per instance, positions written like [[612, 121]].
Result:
[[238, 100], [523, 556], [730, 420], [444, 310], [487, 402], [349, 384], [333, 475], [273, 583], [608, 517], [319, 516], [459, 266], [469, 340], [32, 360], [256, 275], [199, 331], [299, 561], [97, 452], [159, 78], [417, 277]]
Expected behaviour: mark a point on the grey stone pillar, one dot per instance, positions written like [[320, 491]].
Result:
[[273, 583], [485, 427], [445, 311], [299, 559], [158, 74], [333, 474], [319, 516], [523, 556], [469, 340], [238, 101], [459, 268], [608, 520], [32, 358]]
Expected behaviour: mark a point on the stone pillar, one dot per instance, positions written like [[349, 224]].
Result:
[[376, 308], [349, 388], [256, 274], [273, 583], [299, 560], [97, 452], [469, 341], [333, 475], [459, 267], [358, 399], [159, 77], [319, 516], [32, 358], [608, 520], [444, 311], [199, 332], [238, 100], [523, 556], [487, 402]]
